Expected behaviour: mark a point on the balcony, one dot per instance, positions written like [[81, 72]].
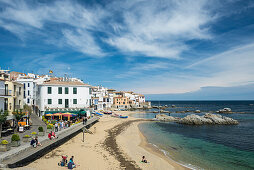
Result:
[[5, 93]]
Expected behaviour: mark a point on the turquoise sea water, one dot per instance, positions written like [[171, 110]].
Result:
[[206, 147]]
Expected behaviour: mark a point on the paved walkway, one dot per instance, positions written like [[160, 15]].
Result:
[[36, 122], [24, 154]]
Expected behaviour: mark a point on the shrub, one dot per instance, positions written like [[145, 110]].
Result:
[[53, 121], [49, 127], [40, 129], [34, 133], [15, 137], [26, 136], [4, 142]]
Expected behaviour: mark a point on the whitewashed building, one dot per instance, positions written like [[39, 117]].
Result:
[[102, 98], [63, 95]]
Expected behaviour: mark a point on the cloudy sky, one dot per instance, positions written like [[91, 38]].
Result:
[[168, 49]]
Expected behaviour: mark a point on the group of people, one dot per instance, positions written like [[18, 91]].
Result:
[[35, 142], [64, 161], [61, 125]]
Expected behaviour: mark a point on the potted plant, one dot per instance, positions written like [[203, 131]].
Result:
[[41, 131], [15, 140], [49, 128], [4, 146], [26, 138], [33, 134]]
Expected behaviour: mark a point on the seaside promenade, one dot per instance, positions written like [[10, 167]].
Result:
[[25, 154]]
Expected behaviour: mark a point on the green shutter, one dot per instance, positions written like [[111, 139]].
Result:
[[49, 90], [66, 90], [49, 101], [75, 101], [74, 90], [60, 90], [60, 101]]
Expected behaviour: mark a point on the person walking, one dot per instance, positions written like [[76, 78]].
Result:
[[56, 127]]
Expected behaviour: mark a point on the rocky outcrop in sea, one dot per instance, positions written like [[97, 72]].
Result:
[[208, 118]]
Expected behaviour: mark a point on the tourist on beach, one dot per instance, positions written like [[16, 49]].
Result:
[[71, 164], [63, 161], [37, 142], [33, 143], [144, 159]]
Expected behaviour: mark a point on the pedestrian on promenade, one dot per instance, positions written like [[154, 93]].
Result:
[[56, 127], [33, 143], [84, 120], [37, 142]]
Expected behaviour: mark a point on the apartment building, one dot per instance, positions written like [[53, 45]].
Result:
[[15, 92], [63, 95]]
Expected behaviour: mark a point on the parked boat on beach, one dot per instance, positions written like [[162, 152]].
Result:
[[108, 112], [99, 114]]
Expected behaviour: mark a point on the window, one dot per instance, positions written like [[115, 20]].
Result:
[[49, 101], [28, 92], [24, 85], [24, 94], [60, 101], [19, 90], [49, 90], [74, 90], [28, 100], [75, 101], [123, 102], [60, 90], [66, 90], [28, 84]]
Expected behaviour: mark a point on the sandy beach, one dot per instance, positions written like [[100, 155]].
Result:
[[115, 144]]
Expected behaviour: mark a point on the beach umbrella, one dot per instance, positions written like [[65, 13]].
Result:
[[49, 114], [57, 114], [68, 115]]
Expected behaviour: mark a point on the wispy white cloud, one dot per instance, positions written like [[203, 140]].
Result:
[[230, 68], [160, 29], [154, 29], [82, 41], [24, 19]]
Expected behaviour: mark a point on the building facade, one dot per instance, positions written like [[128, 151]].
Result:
[[2, 95], [63, 95], [15, 91]]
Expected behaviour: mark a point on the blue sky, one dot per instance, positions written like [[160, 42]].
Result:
[[170, 49]]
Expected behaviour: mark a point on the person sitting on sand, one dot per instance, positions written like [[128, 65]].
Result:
[[144, 159], [37, 142], [63, 161], [71, 164]]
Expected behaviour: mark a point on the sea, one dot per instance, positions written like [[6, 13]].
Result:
[[206, 146]]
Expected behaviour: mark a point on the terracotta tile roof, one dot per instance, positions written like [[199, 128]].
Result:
[[75, 83], [111, 90]]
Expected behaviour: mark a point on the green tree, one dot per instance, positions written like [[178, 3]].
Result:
[[28, 109], [3, 117], [18, 114]]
